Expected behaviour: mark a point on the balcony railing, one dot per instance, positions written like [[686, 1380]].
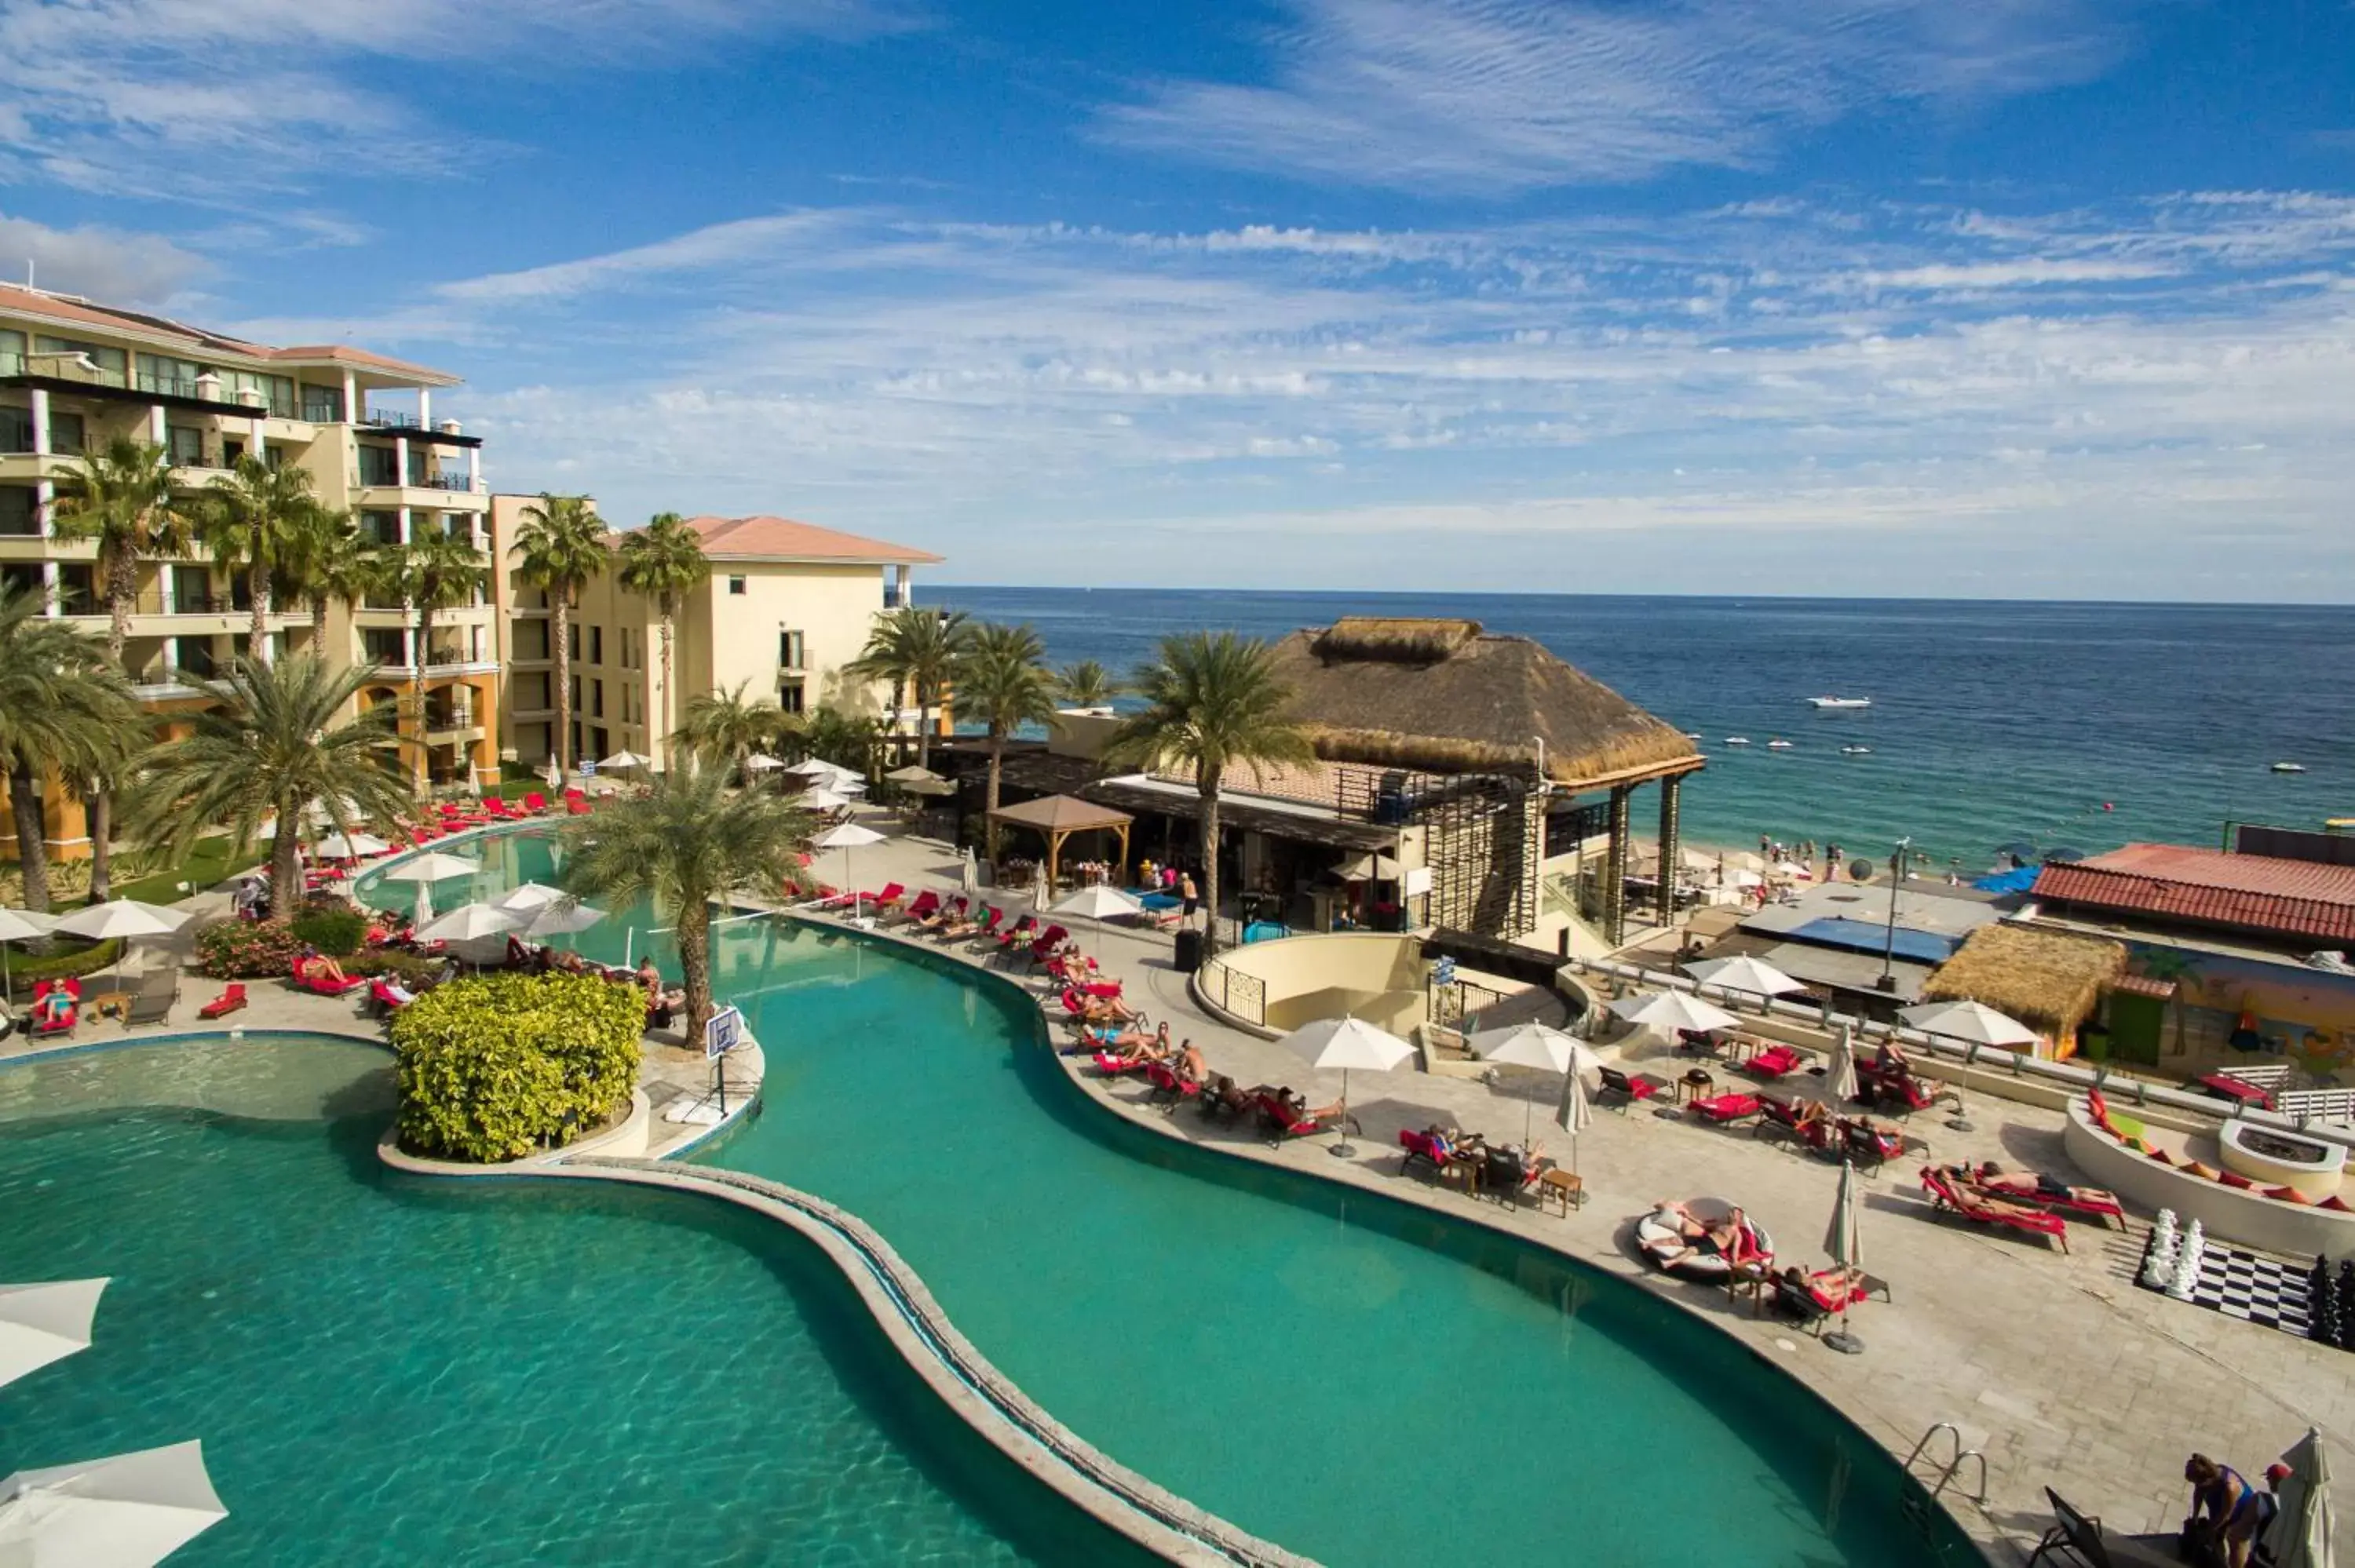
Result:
[[457, 482], [391, 419]]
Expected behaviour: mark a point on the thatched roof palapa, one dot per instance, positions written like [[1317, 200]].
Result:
[[1445, 696], [2050, 980]]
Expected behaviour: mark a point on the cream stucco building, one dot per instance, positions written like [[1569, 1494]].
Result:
[[786, 606]]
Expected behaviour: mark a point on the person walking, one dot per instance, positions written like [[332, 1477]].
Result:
[[1191, 894]]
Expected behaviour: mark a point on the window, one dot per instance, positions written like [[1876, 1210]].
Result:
[[323, 405], [378, 465], [19, 516], [187, 445], [789, 696], [23, 577], [736, 585], [573, 650], [789, 650], [65, 433], [417, 466], [384, 645], [231, 452], [576, 705], [596, 645], [195, 657], [78, 589], [12, 353], [192, 591], [16, 430], [596, 699], [172, 378], [381, 527]]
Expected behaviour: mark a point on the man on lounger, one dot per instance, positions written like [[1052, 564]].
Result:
[[1190, 1065], [1994, 1178]]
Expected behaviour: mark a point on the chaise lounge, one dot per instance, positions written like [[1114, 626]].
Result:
[[2001, 1214]]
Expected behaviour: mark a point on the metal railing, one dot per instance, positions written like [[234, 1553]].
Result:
[[391, 419], [458, 481], [1231, 990]]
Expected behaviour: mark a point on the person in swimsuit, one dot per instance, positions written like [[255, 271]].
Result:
[[1190, 1064], [2225, 1512], [56, 1006]]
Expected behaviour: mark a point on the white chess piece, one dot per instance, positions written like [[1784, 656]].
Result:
[[2159, 1265], [2187, 1264]]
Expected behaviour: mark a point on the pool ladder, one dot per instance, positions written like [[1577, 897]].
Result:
[[1953, 1466]]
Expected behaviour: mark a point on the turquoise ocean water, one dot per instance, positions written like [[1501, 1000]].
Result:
[[2083, 725]]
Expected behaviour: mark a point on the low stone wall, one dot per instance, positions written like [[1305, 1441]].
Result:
[[2250, 1218]]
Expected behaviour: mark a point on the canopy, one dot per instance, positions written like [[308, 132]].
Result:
[[432, 866], [1745, 974], [121, 917], [469, 921], [1666, 1011], [43, 1323], [127, 1512], [1969, 1022], [1098, 902], [913, 773], [1058, 817]]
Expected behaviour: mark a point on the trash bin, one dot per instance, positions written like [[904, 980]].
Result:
[[1189, 951]]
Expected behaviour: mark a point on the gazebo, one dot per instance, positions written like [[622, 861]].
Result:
[[1057, 817]]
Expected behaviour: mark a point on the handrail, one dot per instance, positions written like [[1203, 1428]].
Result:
[[1935, 1428], [1979, 1497]]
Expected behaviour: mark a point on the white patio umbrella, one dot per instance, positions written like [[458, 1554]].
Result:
[[1847, 1249], [1574, 1113], [761, 762], [822, 799], [43, 1323], [845, 837], [1972, 1025], [129, 1510], [1665, 1011], [20, 926], [620, 759], [558, 919], [529, 897], [2300, 1534], [1370, 868], [1750, 976], [914, 774], [351, 846], [425, 870], [469, 921], [124, 918], [1098, 902], [1347, 1042], [1531, 1045]]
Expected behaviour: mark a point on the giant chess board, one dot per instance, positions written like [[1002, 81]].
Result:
[[2245, 1285]]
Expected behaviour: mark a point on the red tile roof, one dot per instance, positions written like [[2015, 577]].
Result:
[[84, 313], [783, 539], [2208, 887]]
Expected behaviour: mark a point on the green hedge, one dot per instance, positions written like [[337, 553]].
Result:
[[494, 1068], [336, 931], [84, 960]]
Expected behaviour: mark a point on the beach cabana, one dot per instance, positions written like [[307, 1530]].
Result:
[[1056, 818], [2050, 980]]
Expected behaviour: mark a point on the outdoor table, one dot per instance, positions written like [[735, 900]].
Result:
[[1562, 1187], [1755, 1279], [111, 1004], [1698, 1084]]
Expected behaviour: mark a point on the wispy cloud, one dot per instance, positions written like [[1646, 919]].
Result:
[[112, 264], [1511, 94]]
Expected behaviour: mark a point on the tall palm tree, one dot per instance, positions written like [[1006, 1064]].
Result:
[[564, 546], [121, 497], [249, 519], [434, 572], [724, 728], [914, 648], [1002, 681], [1086, 684], [1212, 702], [848, 740], [65, 711], [661, 561], [272, 744], [327, 561], [682, 843]]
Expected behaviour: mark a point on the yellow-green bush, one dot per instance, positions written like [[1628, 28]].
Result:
[[494, 1068]]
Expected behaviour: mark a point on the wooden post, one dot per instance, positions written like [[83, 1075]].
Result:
[[1670, 788], [1614, 870]]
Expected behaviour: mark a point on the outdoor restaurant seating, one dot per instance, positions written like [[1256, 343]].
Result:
[[1947, 1197]]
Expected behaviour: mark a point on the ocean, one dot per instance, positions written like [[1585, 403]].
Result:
[[2062, 725]]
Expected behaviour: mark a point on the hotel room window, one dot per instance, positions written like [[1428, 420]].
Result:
[[596, 645], [735, 585], [790, 649], [65, 434], [18, 518], [596, 699], [789, 696], [187, 445], [572, 643]]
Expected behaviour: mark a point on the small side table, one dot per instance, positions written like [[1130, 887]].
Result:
[[1698, 1084], [1753, 1279], [111, 1004], [1562, 1187]]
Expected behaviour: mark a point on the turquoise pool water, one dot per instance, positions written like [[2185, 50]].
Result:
[[389, 1370], [1358, 1379]]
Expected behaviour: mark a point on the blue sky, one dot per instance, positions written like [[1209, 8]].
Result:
[[2021, 298]]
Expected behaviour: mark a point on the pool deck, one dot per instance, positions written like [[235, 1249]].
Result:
[[2058, 1367]]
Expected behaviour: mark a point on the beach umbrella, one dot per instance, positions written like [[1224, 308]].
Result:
[[20, 926], [914, 774], [935, 787], [563, 918], [469, 921], [761, 762], [811, 768], [351, 846], [845, 837], [1969, 1022], [1846, 1250], [621, 760], [425, 870], [2300, 1533], [1098, 902], [2019, 849], [123, 917], [1529, 1045], [129, 1510], [43, 1323], [1665, 1011], [1746, 974], [1348, 1043], [2064, 856], [530, 897], [1574, 1113], [822, 799], [1370, 868]]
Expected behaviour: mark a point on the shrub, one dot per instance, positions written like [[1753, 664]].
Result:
[[80, 961], [413, 969], [247, 949], [491, 1069], [336, 929]]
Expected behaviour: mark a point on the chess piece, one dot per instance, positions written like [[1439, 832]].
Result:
[[2186, 1276]]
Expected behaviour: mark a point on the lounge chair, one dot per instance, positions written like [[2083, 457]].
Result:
[[1868, 1146], [1277, 1121], [535, 802], [1702, 1041], [576, 805], [231, 999], [1020, 931], [1506, 1175], [319, 986], [1782, 1116], [1810, 1305], [60, 1025], [1728, 1108], [2088, 1203], [1112, 1064], [1042, 946], [992, 917], [1167, 1086], [153, 1001], [1421, 1148], [1897, 1090], [1946, 1197], [2079, 1538], [1773, 1062], [1629, 1089], [923, 903]]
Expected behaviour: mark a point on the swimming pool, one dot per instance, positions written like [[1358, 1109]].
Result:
[[1352, 1378], [396, 1370]]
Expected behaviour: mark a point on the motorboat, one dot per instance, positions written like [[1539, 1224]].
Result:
[[1737, 741], [1693, 735], [1856, 751], [1822, 703], [2289, 766], [1778, 745]]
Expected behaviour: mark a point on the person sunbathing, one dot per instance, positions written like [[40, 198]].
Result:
[[959, 925], [1812, 1117], [1225, 1095], [1110, 1010], [1137, 1045], [938, 919], [1993, 1178], [1831, 1289], [317, 968], [55, 1008], [1190, 1065]]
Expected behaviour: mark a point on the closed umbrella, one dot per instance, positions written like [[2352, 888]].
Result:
[[1846, 1250], [555, 774], [43, 1323], [20, 926], [130, 1510], [2300, 1534], [1746, 974], [1098, 902], [469, 921], [1665, 1011], [1529, 1045], [1574, 1112], [123, 917], [1347, 1042], [968, 874], [1838, 1085], [845, 837]]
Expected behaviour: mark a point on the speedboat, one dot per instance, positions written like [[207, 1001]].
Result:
[[1778, 745], [1693, 735], [1820, 703], [2289, 766], [1856, 751], [1737, 741]]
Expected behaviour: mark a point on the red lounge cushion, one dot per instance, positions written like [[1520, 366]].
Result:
[[2234, 1179], [2205, 1171], [2336, 1205], [2289, 1195], [2161, 1155]]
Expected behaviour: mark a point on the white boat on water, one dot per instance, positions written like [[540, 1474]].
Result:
[[1856, 751], [1737, 741], [2289, 766], [1822, 703], [1778, 746]]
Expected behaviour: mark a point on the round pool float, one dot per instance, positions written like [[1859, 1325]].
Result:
[[1666, 1249]]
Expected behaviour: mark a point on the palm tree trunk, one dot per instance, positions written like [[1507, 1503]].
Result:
[[924, 729], [669, 718], [989, 820], [285, 869], [695, 964], [417, 694], [1210, 788], [102, 846], [121, 593], [562, 601], [32, 851], [257, 590], [319, 626]]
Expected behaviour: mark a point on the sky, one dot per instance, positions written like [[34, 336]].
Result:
[[2012, 298]]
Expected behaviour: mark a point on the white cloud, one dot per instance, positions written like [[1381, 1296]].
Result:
[[1511, 94], [110, 264]]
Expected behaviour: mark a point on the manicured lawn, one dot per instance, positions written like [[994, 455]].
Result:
[[209, 863]]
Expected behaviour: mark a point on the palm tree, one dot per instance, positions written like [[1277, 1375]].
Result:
[[1212, 702], [1086, 684], [434, 572], [248, 520], [273, 743], [65, 711], [1001, 682], [724, 728], [122, 497], [685, 843], [564, 545], [327, 561], [662, 561], [913, 648], [848, 740]]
